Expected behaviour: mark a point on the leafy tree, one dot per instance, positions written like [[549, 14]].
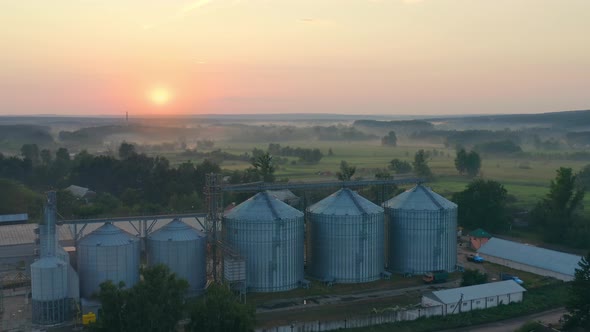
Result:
[[583, 178], [46, 157], [31, 152], [111, 315], [126, 150], [420, 165], [155, 303], [555, 214], [468, 162], [62, 154], [219, 311], [498, 147], [263, 164], [330, 152], [389, 140], [473, 277], [16, 198], [578, 304], [346, 171], [483, 204], [400, 166]]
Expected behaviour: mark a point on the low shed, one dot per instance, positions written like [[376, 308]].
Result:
[[478, 238], [528, 258], [469, 298]]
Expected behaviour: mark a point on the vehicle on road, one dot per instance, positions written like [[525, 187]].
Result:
[[506, 276], [476, 258], [435, 277]]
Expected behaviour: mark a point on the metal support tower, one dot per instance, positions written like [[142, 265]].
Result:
[[214, 194]]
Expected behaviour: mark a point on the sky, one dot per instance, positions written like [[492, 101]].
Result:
[[396, 57]]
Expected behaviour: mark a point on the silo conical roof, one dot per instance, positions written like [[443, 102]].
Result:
[[107, 235], [345, 202], [176, 230], [419, 198], [263, 206]]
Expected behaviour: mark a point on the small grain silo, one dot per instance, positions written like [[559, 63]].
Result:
[[268, 234], [49, 291], [183, 249], [422, 232], [345, 233], [49, 275], [108, 253]]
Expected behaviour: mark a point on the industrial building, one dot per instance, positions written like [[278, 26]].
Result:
[[345, 233], [422, 232], [262, 243], [269, 235], [463, 299], [528, 258]]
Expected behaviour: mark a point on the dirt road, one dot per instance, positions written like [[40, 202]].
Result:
[[547, 317]]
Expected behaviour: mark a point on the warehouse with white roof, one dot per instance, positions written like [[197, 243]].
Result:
[[463, 299], [523, 257]]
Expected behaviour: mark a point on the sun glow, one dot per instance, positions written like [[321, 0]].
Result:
[[160, 96]]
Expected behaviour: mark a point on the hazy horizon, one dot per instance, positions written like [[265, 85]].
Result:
[[238, 57]]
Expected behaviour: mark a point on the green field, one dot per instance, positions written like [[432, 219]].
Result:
[[526, 180]]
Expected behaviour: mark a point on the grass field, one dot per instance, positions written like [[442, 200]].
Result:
[[526, 181]]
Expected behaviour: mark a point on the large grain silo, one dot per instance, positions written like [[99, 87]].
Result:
[[268, 234], [183, 249], [108, 253], [345, 232], [422, 232]]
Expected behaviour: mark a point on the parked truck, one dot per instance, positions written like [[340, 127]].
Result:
[[506, 276], [476, 258], [435, 277]]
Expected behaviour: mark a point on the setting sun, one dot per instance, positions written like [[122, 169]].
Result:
[[160, 96]]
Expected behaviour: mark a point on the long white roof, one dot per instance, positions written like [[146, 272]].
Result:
[[546, 259], [452, 296]]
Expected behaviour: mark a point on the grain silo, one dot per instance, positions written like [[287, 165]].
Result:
[[422, 232], [108, 253], [49, 291], [183, 249], [345, 233], [268, 234]]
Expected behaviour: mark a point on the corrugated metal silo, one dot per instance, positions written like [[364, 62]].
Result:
[[345, 238], [108, 253], [183, 249], [49, 291], [269, 235], [422, 232]]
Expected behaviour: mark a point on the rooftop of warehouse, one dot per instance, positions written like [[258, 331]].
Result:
[[551, 260], [25, 233], [452, 296], [11, 235]]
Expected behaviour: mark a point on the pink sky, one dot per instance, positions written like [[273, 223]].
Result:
[[91, 57]]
